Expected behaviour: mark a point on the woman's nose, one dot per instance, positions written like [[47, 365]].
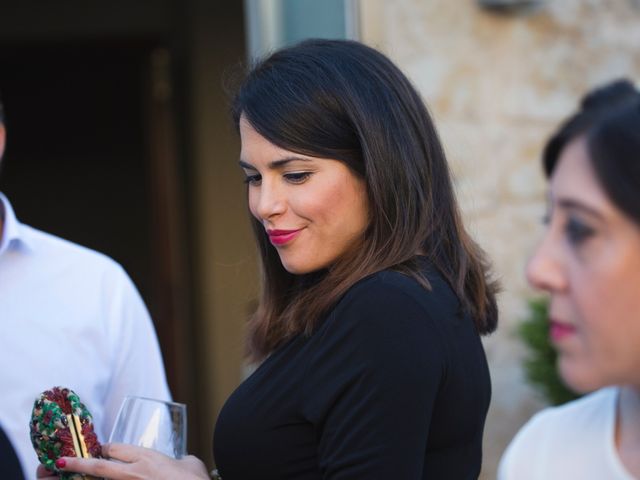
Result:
[[545, 267], [268, 201]]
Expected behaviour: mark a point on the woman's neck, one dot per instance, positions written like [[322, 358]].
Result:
[[628, 429]]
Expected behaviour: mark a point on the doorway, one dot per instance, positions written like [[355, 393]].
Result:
[[91, 157]]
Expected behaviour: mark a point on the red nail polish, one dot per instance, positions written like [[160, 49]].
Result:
[[61, 462]]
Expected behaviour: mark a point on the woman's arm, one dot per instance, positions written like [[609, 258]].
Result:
[[133, 463]]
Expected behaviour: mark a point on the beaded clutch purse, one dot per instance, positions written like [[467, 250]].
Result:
[[61, 426]]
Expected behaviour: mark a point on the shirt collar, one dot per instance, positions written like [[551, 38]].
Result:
[[13, 233]]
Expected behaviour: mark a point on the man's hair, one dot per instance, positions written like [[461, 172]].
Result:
[[1, 110]]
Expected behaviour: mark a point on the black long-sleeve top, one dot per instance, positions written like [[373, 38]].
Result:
[[10, 468], [393, 384]]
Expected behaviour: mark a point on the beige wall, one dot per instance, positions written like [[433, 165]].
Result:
[[497, 85]]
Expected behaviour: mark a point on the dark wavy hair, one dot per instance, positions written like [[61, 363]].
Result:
[[609, 120], [343, 100]]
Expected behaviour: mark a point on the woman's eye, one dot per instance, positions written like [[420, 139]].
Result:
[[252, 179], [577, 231], [297, 177]]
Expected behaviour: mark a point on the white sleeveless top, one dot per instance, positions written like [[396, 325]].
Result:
[[572, 441]]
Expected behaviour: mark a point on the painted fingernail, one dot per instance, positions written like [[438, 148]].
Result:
[[61, 463]]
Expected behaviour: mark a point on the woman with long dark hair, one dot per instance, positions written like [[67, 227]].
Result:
[[374, 296], [589, 263]]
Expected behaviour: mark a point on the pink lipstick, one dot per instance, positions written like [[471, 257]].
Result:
[[559, 330], [281, 237]]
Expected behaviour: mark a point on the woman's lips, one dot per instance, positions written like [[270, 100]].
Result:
[[280, 237], [559, 330]]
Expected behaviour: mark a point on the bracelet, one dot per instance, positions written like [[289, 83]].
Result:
[[215, 475]]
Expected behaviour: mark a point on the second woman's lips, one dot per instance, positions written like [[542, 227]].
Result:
[[559, 330], [280, 237]]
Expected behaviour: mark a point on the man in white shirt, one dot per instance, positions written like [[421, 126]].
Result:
[[70, 317]]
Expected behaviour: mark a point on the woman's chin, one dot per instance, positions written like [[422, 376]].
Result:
[[581, 379], [300, 267], [295, 269]]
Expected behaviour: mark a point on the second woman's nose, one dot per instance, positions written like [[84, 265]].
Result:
[[544, 269]]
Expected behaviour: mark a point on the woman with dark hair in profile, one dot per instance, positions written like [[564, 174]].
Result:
[[589, 262], [367, 332]]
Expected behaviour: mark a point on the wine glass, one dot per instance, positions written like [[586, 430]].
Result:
[[152, 423]]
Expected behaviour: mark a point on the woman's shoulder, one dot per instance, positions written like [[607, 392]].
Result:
[[380, 295], [378, 333], [384, 281], [403, 289], [583, 412], [557, 430], [390, 306]]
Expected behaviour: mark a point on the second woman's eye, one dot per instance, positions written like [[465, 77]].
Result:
[[297, 177], [577, 231]]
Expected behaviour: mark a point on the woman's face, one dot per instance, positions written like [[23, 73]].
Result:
[[589, 261], [313, 209]]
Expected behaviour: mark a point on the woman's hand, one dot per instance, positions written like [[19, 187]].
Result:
[[44, 474], [134, 463]]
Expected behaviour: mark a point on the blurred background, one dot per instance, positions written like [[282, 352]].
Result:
[[119, 139]]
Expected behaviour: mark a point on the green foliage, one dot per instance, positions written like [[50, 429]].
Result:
[[540, 365]]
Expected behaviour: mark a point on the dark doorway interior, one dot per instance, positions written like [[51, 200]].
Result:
[[75, 163], [90, 158]]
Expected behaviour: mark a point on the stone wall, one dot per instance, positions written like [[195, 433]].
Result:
[[497, 86]]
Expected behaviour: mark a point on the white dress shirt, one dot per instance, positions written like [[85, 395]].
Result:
[[70, 317]]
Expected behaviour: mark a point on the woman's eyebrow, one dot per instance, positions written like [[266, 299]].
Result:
[[572, 204], [276, 163], [246, 165]]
